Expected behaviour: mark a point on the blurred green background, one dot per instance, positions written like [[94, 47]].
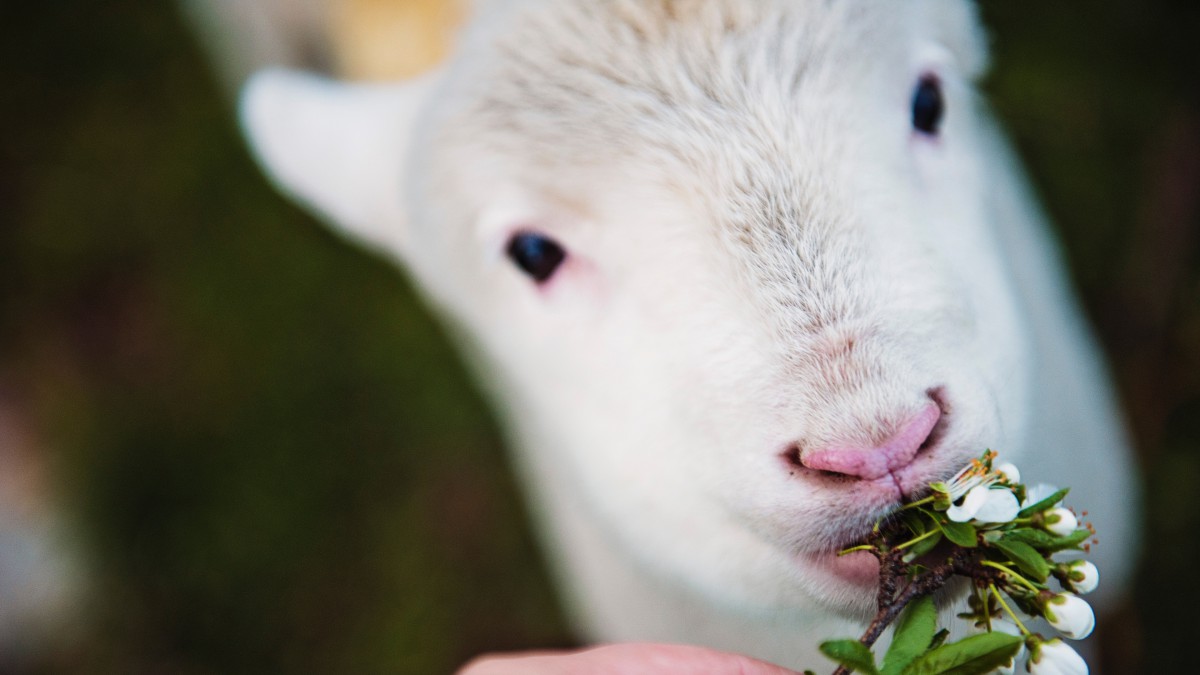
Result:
[[269, 459]]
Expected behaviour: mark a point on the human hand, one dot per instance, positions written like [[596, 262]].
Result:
[[622, 659]]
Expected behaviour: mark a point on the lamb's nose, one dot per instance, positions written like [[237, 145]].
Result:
[[871, 463]]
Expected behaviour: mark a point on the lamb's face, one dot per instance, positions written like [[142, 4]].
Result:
[[728, 266]]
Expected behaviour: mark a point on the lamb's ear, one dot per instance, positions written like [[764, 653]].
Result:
[[339, 148]]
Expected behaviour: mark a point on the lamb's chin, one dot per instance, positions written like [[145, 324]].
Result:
[[860, 569], [846, 584]]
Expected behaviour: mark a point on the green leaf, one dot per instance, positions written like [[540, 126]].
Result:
[[914, 522], [924, 546], [962, 534], [1026, 557], [940, 638], [974, 655], [913, 633], [1046, 542], [1044, 504], [1072, 540], [1039, 539], [852, 654]]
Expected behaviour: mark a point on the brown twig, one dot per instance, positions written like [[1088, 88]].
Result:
[[891, 568]]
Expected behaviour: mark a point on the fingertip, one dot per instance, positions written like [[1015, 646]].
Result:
[[624, 658]]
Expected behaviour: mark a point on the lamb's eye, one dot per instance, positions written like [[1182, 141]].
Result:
[[536, 255], [928, 106]]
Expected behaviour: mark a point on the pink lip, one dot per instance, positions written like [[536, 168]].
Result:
[[860, 568]]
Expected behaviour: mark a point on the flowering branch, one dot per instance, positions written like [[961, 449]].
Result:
[[986, 526]]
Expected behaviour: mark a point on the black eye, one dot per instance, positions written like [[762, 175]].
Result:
[[536, 255], [928, 106]]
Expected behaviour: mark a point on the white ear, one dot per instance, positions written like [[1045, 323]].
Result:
[[341, 149]]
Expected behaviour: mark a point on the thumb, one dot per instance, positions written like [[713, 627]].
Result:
[[624, 659]]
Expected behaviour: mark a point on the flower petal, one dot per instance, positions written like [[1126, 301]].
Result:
[[1001, 506], [970, 506], [1083, 577], [1054, 657], [1070, 615], [1009, 471], [1038, 492]]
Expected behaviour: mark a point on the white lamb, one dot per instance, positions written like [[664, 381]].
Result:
[[741, 275]]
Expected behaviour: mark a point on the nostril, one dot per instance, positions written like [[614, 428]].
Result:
[[794, 458], [939, 427], [869, 463]]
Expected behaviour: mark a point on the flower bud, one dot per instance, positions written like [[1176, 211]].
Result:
[[1070, 615], [1060, 521], [1054, 657], [1082, 576]]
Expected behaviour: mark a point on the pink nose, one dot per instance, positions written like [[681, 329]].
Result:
[[871, 463]]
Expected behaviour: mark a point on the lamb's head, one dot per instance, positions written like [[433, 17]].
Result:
[[726, 263]]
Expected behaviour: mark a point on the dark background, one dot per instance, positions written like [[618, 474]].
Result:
[[270, 458]]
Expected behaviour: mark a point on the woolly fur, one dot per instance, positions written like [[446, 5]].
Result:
[[764, 258]]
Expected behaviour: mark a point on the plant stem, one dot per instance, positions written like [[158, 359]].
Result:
[[1024, 630], [1009, 571], [848, 551], [890, 604], [919, 502], [918, 539], [926, 584]]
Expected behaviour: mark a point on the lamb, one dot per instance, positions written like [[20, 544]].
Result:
[[740, 275]]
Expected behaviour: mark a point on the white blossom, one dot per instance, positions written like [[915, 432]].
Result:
[[1083, 577], [1054, 657], [1036, 493], [1061, 521], [986, 505], [1070, 615], [975, 495]]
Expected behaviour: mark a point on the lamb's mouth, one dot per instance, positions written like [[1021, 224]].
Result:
[[857, 568], [861, 568]]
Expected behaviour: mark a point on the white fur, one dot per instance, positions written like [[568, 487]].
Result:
[[762, 253]]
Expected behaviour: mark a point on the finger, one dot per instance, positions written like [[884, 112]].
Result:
[[624, 659]]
